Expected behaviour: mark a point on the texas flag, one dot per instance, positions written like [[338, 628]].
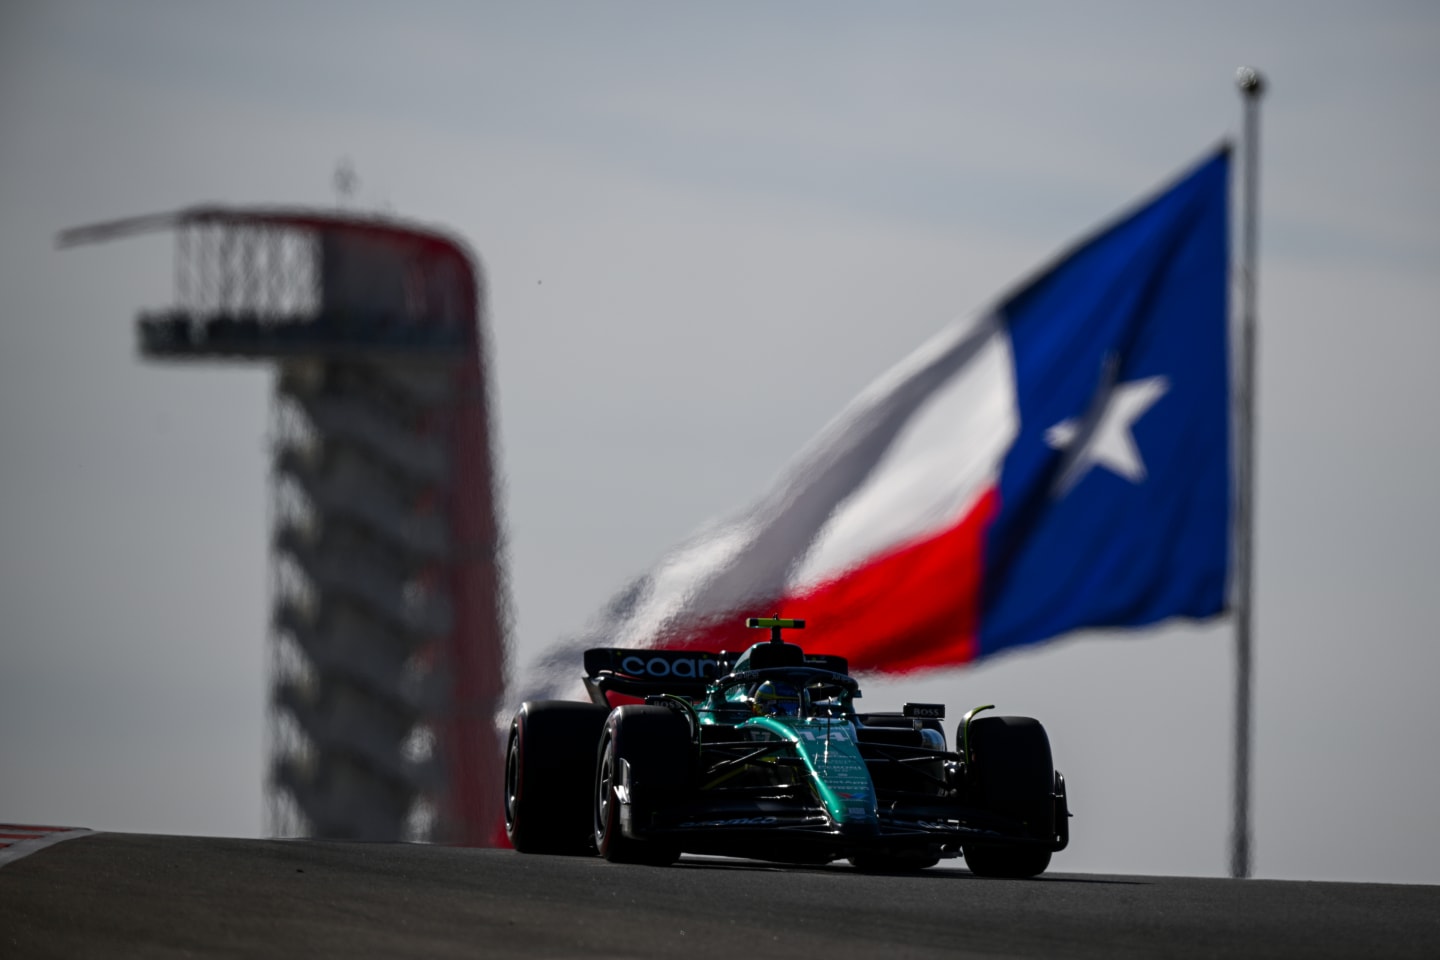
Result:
[[1061, 462]]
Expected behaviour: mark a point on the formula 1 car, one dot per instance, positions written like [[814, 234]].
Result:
[[763, 756]]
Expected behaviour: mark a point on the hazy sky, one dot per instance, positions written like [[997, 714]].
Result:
[[705, 227]]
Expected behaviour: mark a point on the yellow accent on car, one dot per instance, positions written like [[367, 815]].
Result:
[[773, 622]]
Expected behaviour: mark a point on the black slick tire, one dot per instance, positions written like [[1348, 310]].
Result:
[[1012, 775], [654, 742], [549, 765]]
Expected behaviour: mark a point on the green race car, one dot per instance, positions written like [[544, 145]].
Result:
[[763, 755]]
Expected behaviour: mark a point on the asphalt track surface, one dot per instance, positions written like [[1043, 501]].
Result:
[[116, 895]]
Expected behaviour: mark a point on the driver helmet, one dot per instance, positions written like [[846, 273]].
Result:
[[776, 698]]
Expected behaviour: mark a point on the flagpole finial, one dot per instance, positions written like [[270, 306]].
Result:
[[1250, 81]]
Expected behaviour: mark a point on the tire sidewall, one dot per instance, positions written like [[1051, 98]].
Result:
[[653, 742], [607, 832], [514, 787]]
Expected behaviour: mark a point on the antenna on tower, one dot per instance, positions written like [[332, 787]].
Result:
[[346, 181]]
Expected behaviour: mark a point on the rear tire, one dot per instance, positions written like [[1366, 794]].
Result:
[[1012, 775], [655, 743], [549, 763]]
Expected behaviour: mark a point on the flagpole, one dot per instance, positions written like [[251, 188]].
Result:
[[1252, 87]]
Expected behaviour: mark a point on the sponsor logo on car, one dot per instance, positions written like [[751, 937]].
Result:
[[688, 667], [737, 822]]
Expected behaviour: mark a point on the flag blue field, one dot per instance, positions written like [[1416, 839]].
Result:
[[1115, 497]]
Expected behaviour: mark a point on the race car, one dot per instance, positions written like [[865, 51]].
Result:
[[763, 755]]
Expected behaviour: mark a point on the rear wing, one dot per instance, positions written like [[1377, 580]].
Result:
[[687, 673], [643, 673]]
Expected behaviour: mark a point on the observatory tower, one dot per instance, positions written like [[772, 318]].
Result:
[[387, 628]]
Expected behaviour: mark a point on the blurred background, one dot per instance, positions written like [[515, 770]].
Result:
[[704, 229]]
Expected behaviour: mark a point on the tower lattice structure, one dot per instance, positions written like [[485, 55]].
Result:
[[387, 625]]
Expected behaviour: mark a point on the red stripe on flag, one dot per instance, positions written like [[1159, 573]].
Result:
[[916, 606]]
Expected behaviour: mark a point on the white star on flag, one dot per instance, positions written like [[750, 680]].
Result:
[[1105, 436]]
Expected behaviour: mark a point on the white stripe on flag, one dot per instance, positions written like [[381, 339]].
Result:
[[940, 463]]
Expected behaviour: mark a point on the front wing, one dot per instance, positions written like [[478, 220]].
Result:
[[789, 824]]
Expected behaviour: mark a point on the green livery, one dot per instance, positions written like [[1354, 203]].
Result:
[[838, 773]]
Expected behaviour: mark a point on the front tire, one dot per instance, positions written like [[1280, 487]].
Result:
[[1012, 775], [655, 744], [1017, 864]]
